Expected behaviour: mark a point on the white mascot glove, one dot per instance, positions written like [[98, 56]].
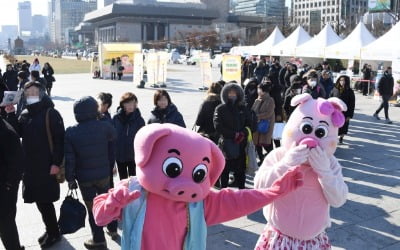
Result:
[[319, 161], [296, 155]]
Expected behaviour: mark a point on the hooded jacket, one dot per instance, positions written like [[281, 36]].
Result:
[[231, 117], [87, 144], [167, 115], [126, 126], [205, 116]]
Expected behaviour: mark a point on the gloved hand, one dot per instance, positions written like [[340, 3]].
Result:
[[296, 155], [319, 161], [239, 137], [72, 184], [121, 196]]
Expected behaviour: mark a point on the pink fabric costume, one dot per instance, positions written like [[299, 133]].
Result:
[[299, 220], [176, 166]]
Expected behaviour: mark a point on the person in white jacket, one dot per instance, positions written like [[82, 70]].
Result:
[[35, 66], [299, 220]]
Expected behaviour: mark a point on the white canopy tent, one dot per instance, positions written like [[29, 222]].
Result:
[[264, 48], [316, 46], [288, 46], [383, 49], [350, 48]]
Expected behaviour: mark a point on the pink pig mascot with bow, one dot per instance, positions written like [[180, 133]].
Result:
[[299, 220], [170, 203]]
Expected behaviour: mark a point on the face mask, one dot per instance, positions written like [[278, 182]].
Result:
[[232, 99], [312, 84], [32, 99]]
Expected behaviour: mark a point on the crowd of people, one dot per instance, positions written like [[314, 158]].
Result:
[[100, 145]]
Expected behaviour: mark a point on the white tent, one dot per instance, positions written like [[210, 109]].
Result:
[[350, 48], [383, 49], [288, 46], [264, 48], [316, 46]]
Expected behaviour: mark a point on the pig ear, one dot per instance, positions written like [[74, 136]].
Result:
[[338, 104], [217, 163], [145, 140], [300, 99]]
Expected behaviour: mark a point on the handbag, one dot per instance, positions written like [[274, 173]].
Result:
[[60, 176], [251, 156], [263, 126], [53, 78], [72, 213], [278, 130], [230, 149]]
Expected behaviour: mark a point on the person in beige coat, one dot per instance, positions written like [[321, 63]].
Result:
[[264, 108]]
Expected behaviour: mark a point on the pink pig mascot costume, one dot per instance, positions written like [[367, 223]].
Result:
[[299, 220], [170, 203]]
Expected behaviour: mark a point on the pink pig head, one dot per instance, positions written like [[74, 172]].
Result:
[[314, 122], [176, 163]]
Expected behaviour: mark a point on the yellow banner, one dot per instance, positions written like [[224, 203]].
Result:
[[124, 51], [231, 68]]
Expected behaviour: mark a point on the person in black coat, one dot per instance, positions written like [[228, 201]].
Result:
[[230, 121], [165, 111], [205, 116], [41, 165], [261, 71], [367, 73], [11, 169], [343, 91], [313, 87], [127, 123], [385, 89], [10, 78], [294, 89], [86, 159], [250, 92], [282, 73], [48, 73]]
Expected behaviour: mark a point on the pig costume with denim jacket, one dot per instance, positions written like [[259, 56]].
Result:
[[170, 203], [299, 220]]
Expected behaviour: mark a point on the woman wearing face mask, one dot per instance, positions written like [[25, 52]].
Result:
[[314, 88], [264, 108], [230, 121], [41, 164], [294, 89], [165, 111], [127, 122], [343, 91]]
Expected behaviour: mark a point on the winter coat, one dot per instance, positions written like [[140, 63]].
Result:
[[231, 118], [282, 74], [39, 185], [11, 80], [48, 75], [35, 67], [250, 93], [288, 74], [126, 127], [106, 117], [385, 85], [87, 144], [11, 155], [264, 109], [317, 91], [366, 73], [205, 116], [328, 86], [260, 72], [167, 115], [347, 96], [120, 67]]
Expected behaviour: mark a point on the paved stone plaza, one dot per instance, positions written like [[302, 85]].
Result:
[[370, 219]]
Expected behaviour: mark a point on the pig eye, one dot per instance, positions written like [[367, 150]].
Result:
[[200, 173], [172, 167], [306, 128], [321, 131]]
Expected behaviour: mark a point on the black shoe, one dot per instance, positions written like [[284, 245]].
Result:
[[376, 116], [42, 238], [50, 241], [91, 244]]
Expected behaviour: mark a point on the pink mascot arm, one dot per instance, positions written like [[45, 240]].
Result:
[[228, 204], [108, 207]]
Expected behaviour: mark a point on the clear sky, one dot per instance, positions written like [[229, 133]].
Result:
[[9, 10]]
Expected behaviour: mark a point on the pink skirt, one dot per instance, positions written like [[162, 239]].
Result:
[[272, 239]]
